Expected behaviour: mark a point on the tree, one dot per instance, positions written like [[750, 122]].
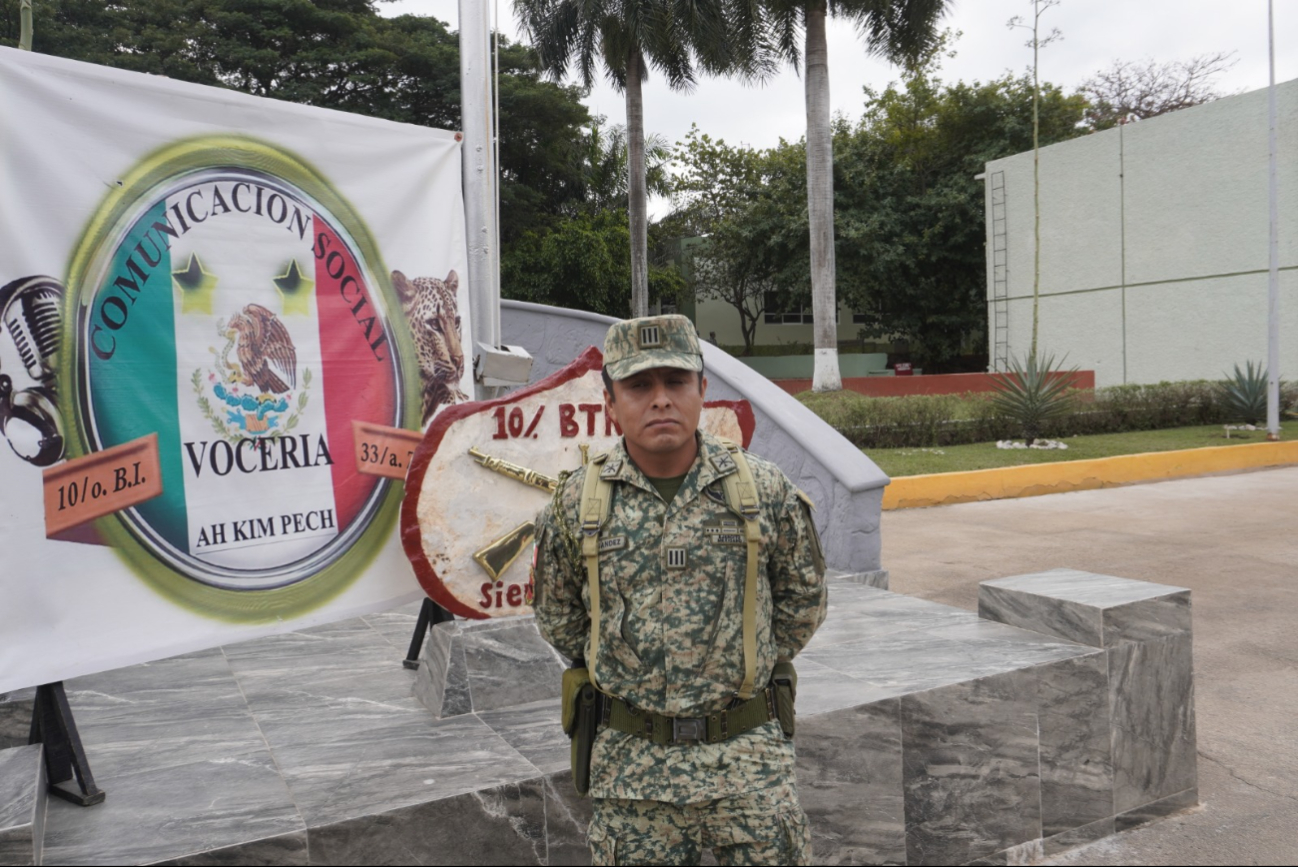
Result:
[[717, 192], [1145, 89], [626, 38], [337, 54], [581, 262], [545, 135], [576, 256], [607, 166], [910, 212], [900, 30]]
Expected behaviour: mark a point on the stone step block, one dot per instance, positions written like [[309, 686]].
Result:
[[22, 804], [1145, 632], [1099, 610]]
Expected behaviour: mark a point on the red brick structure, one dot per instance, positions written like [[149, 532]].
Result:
[[939, 383]]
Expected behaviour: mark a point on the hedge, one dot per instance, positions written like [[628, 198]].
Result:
[[925, 421]]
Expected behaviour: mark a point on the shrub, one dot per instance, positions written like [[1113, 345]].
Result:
[[1033, 394], [1243, 395], [926, 421]]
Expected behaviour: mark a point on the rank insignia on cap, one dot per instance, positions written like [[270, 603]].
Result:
[[650, 337], [675, 558]]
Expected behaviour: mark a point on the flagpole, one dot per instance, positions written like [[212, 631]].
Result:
[[480, 173], [1273, 277]]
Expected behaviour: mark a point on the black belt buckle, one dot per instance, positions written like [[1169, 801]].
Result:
[[689, 730]]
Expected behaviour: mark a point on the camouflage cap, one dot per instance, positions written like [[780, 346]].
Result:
[[634, 345]]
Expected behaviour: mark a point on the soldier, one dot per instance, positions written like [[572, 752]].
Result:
[[709, 577]]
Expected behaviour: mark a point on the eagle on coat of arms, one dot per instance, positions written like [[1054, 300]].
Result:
[[265, 351]]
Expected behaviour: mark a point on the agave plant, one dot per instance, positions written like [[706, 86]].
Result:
[[1243, 395], [1032, 393]]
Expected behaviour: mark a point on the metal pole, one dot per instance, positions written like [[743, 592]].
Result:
[[25, 25], [479, 172], [1273, 278]]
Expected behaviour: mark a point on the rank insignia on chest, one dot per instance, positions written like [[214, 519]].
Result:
[[612, 543], [726, 532], [675, 558]]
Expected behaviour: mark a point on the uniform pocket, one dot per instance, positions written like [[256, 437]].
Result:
[[622, 652], [603, 847], [797, 837]]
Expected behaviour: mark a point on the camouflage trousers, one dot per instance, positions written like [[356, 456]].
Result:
[[759, 828]]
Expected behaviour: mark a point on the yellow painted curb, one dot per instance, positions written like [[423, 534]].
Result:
[[942, 489]]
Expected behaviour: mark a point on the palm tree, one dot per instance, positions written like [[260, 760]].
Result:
[[607, 160], [627, 38], [899, 30]]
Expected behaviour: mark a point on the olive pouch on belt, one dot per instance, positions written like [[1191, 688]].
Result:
[[580, 722], [786, 690], [573, 680]]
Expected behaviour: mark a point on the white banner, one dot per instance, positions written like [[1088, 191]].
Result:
[[223, 321]]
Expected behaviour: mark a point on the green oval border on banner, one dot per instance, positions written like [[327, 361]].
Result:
[[165, 164]]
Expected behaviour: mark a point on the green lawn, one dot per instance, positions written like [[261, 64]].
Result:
[[982, 456]]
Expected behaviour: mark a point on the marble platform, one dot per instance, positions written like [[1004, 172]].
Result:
[[483, 665], [927, 735], [477, 665], [22, 804]]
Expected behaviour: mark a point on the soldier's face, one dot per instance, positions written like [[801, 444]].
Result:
[[658, 410]]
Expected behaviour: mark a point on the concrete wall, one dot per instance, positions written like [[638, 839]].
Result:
[[845, 484], [1153, 244]]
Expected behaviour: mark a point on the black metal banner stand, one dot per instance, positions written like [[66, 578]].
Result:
[[430, 614], [53, 726]]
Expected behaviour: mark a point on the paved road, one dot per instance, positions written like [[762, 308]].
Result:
[[1233, 540]]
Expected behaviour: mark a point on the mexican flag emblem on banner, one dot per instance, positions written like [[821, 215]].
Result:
[[228, 300]]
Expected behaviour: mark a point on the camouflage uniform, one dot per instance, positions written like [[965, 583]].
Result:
[[671, 588]]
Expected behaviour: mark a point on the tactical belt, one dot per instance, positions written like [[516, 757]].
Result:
[[616, 714]]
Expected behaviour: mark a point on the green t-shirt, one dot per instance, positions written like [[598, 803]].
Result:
[[667, 488]]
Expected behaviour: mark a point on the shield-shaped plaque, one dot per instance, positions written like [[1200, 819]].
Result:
[[484, 469]]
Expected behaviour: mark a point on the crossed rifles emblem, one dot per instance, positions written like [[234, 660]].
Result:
[[499, 555]]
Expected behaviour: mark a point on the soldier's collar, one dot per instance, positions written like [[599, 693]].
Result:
[[717, 460]]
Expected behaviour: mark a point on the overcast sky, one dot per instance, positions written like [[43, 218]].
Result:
[[1095, 33]]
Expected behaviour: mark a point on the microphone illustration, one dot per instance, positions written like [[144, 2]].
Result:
[[31, 310], [31, 313]]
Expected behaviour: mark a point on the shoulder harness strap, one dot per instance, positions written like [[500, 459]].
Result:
[[596, 499], [741, 497]]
